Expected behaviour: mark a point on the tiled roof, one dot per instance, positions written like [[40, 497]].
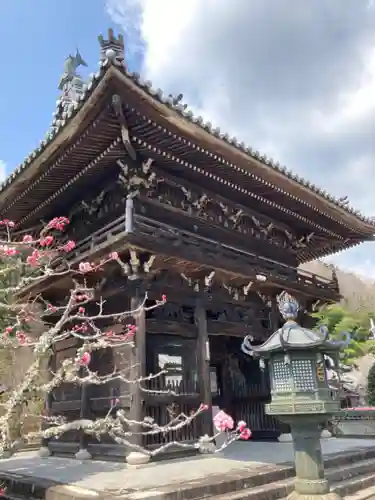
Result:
[[157, 94]]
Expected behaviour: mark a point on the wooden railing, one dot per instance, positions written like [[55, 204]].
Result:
[[102, 235], [316, 280], [115, 230]]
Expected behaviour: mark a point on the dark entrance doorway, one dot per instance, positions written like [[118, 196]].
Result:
[[240, 388]]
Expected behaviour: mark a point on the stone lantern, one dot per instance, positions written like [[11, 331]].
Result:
[[300, 394]]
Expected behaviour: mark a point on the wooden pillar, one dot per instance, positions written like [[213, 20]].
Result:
[[44, 451], [137, 362], [121, 361], [203, 358], [84, 413]]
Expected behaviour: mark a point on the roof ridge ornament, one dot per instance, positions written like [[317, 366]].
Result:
[[70, 69], [288, 306], [72, 88], [112, 48]]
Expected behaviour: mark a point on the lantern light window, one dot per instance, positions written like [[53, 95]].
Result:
[[303, 377], [282, 378]]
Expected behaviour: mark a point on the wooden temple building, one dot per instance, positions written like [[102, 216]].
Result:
[[213, 224]]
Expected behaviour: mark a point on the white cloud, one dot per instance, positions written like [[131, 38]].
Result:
[[295, 80], [355, 104]]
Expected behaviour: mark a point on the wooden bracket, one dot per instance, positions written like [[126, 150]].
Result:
[[118, 109]]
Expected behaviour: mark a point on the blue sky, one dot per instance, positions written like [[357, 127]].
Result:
[[37, 35], [299, 88]]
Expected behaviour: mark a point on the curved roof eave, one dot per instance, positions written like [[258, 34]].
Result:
[[235, 155], [58, 137], [242, 158]]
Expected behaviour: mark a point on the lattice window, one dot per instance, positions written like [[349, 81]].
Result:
[[303, 376], [282, 377]]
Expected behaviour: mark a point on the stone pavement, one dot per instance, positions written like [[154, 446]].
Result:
[[103, 476]]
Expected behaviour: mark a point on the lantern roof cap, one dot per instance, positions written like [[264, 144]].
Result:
[[292, 336]]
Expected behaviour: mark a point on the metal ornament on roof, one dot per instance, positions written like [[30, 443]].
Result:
[[292, 336], [288, 306], [70, 68]]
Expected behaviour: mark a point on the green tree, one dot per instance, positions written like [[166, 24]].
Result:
[[371, 386], [357, 323]]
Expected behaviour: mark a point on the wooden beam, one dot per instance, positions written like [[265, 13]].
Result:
[[207, 254]]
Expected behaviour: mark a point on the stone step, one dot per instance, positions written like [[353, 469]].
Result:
[[272, 477], [353, 485], [361, 488], [366, 494], [344, 480]]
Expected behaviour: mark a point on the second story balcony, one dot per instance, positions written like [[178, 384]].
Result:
[[189, 251]]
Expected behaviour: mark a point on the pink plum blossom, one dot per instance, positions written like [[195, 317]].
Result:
[[223, 422], [7, 222], [21, 337], [33, 259], [85, 359], [74, 321], [8, 251], [69, 246], [85, 267], [245, 434], [241, 425], [47, 241], [58, 223]]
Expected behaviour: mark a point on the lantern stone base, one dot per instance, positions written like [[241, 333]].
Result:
[[310, 482]]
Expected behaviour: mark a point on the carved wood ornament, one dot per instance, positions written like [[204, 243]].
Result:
[[223, 214], [139, 180], [118, 108]]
